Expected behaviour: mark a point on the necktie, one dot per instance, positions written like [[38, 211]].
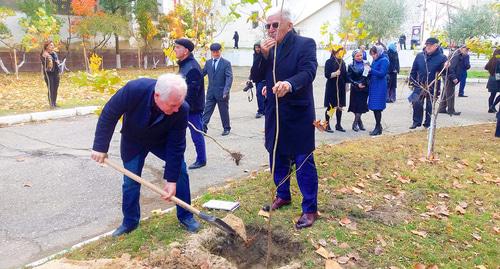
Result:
[[215, 64]]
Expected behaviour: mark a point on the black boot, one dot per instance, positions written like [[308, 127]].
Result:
[[339, 128], [376, 131], [360, 125], [355, 126], [328, 129]]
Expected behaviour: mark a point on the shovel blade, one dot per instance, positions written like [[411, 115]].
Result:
[[217, 223]]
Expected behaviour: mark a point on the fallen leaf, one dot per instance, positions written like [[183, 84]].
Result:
[[27, 185], [332, 264], [344, 245], [381, 240], [378, 250], [419, 266], [480, 267], [357, 190], [464, 162], [389, 197], [323, 252], [20, 159], [432, 266], [476, 236], [478, 202], [496, 229], [264, 214], [457, 185], [376, 176], [344, 221], [443, 195], [343, 259], [157, 211], [393, 267], [460, 209], [322, 242], [354, 256], [463, 204], [420, 233], [479, 167], [460, 166], [361, 185], [404, 179], [410, 163]]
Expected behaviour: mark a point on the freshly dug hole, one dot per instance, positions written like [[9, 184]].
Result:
[[252, 255]]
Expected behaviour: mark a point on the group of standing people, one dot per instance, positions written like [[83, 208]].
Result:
[[370, 89]]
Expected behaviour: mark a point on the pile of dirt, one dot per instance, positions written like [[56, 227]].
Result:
[[252, 255], [209, 249]]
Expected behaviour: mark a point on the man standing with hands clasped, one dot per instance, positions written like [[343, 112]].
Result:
[[155, 119], [296, 66], [220, 78]]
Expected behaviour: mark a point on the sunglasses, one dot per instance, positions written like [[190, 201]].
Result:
[[275, 25]]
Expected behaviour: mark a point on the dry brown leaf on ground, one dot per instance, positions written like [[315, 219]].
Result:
[[357, 190], [480, 267], [378, 250], [420, 233], [476, 236], [344, 221], [332, 264], [443, 195], [264, 214], [460, 210], [344, 245], [322, 242], [419, 266], [324, 253]]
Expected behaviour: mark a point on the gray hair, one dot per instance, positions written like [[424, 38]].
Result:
[[169, 83], [285, 13]]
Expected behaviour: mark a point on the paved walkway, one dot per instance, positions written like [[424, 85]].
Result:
[[53, 196]]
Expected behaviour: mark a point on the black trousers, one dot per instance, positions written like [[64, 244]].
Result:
[[52, 81], [223, 106]]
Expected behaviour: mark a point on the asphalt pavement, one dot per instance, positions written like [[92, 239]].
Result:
[[53, 196]]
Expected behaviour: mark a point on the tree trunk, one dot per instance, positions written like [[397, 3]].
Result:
[[138, 56], [15, 64], [3, 67], [85, 59], [145, 61], [117, 51]]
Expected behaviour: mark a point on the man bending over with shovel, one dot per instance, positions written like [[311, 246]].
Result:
[[155, 119]]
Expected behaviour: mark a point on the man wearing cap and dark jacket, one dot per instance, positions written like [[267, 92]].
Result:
[[452, 77], [191, 71], [220, 78], [426, 66]]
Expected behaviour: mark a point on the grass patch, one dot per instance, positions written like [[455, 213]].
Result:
[[29, 92], [388, 192]]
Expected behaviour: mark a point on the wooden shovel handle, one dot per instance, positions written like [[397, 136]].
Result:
[[151, 186]]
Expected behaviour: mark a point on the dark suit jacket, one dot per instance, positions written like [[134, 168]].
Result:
[[165, 137], [297, 64], [219, 82]]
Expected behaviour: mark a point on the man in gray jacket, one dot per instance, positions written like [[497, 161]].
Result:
[[220, 78]]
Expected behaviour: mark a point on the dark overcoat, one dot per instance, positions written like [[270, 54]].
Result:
[[296, 63]]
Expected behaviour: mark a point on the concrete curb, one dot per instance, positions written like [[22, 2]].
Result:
[[46, 115], [469, 80]]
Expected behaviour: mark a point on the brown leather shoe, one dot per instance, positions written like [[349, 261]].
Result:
[[277, 203], [306, 220]]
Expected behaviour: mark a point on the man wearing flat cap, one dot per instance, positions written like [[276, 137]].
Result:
[[220, 78], [191, 71], [426, 67]]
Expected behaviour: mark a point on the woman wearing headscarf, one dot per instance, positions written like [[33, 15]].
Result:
[[336, 78], [377, 93], [50, 68], [392, 82], [358, 101]]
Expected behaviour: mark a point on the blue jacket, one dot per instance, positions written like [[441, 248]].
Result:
[[191, 71], [165, 137], [377, 90], [219, 82], [297, 64], [420, 74]]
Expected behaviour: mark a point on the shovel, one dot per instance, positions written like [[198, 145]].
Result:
[[204, 216]]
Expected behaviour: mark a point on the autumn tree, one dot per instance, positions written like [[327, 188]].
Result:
[[480, 22], [5, 33], [145, 11], [122, 8], [383, 18]]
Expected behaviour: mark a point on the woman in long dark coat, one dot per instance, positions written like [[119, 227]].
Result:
[[358, 101], [336, 78], [50, 68], [493, 67], [377, 95]]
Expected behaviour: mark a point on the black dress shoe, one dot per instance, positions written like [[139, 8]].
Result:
[[226, 132], [328, 129], [455, 113], [197, 165], [122, 230], [376, 131], [306, 220], [414, 126], [463, 95], [339, 128], [277, 203], [492, 110], [443, 112]]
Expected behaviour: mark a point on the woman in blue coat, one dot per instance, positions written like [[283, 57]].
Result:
[[377, 93]]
